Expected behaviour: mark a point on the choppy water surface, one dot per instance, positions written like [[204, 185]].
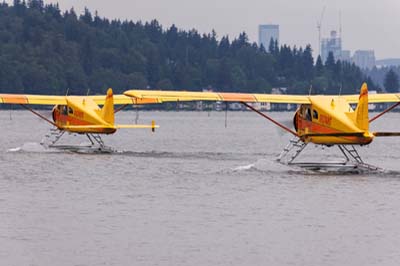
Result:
[[193, 193]]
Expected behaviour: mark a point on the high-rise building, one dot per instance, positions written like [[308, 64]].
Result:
[[266, 33], [346, 56], [364, 58], [333, 44]]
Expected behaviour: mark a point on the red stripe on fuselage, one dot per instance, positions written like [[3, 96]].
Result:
[[64, 119], [323, 129]]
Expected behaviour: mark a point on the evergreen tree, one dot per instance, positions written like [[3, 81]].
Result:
[[319, 67], [271, 47], [87, 16], [330, 62], [47, 51], [307, 63], [262, 48], [391, 81], [36, 4], [86, 55], [224, 46]]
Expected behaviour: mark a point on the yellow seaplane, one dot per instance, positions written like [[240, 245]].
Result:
[[79, 114], [320, 119]]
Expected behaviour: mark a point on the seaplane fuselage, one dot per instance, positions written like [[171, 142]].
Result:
[[330, 120], [83, 115]]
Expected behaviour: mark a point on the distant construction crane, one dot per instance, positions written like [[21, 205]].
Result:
[[319, 26], [340, 27]]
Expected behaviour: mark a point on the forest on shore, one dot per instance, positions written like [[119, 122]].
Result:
[[46, 51]]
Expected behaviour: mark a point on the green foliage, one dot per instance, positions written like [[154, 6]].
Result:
[[391, 82], [377, 75], [45, 51]]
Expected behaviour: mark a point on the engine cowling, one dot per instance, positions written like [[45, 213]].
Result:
[[296, 120], [54, 113]]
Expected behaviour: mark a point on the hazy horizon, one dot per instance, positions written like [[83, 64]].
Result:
[[366, 25]]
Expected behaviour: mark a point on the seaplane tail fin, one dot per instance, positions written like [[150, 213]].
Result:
[[361, 117], [107, 112]]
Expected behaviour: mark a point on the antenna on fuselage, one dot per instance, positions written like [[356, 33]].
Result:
[[310, 90], [88, 91], [66, 93]]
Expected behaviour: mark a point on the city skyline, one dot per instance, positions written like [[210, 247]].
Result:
[[366, 25]]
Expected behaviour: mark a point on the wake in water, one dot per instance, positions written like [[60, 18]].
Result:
[[265, 165], [84, 148], [271, 166], [33, 147]]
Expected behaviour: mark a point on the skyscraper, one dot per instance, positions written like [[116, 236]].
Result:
[[331, 45], [346, 56], [266, 33], [364, 58]]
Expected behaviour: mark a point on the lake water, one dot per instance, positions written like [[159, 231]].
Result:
[[193, 193]]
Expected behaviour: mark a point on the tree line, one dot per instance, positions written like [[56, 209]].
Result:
[[386, 77], [46, 51]]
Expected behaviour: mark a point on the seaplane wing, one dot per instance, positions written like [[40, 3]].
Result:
[[375, 98], [174, 96], [119, 99], [32, 99], [178, 96]]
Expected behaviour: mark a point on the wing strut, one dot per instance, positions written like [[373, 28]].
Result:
[[384, 112], [121, 108], [39, 115], [269, 118]]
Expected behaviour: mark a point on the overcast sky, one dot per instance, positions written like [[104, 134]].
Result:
[[366, 24]]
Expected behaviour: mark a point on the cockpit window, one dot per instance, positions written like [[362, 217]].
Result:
[[308, 114], [64, 110], [70, 110], [315, 115]]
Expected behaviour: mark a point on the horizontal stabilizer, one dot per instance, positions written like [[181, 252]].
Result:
[[386, 134], [338, 134], [153, 126], [137, 126]]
